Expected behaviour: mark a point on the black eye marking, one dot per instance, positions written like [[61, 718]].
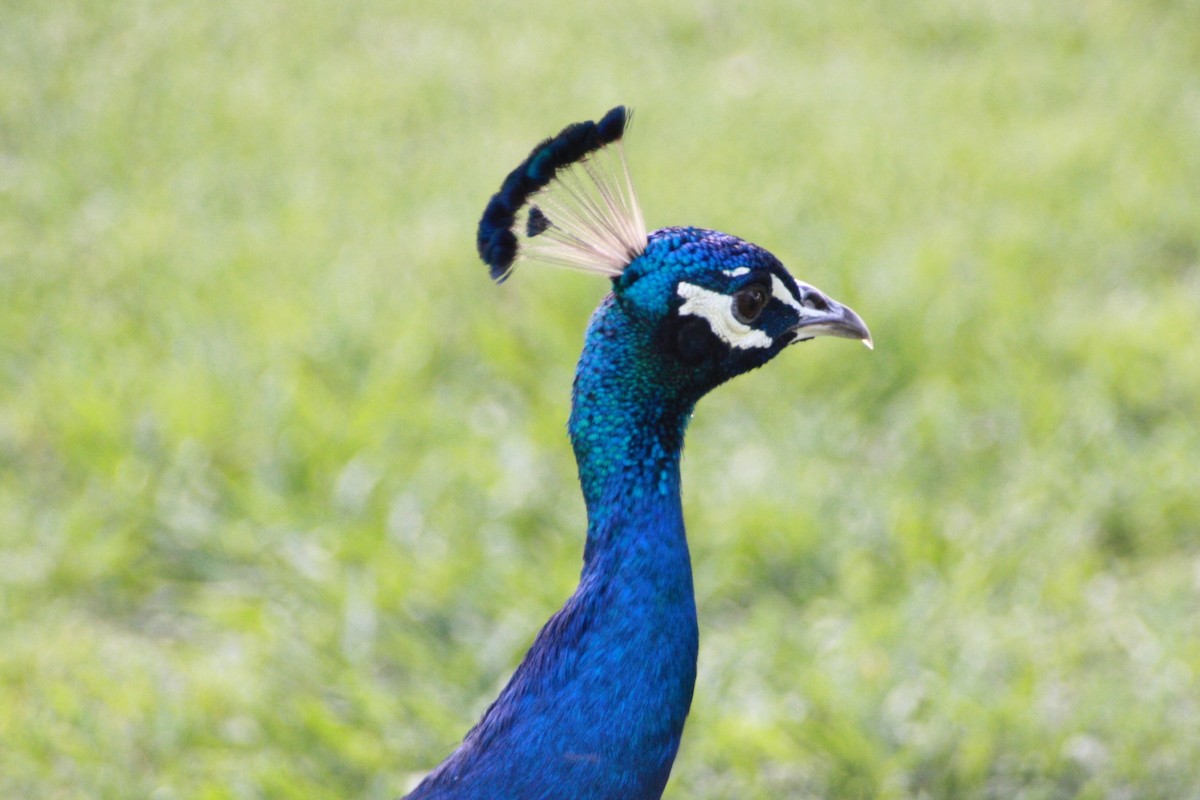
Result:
[[694, 341], [749, 302]]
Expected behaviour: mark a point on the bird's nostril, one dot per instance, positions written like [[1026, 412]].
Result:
[[816, 300]]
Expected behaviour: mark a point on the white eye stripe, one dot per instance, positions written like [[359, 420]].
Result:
[[781, 293], [717, 310], [737, 273]]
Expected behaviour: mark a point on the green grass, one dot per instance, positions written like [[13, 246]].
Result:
[[284, 488]]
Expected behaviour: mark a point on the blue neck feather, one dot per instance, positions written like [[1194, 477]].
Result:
[[596, 709]]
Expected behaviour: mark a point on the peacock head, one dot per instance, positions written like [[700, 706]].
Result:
[[722, 306], [711, 305]]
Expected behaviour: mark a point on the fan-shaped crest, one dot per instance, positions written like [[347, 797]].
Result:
[[571, 203]]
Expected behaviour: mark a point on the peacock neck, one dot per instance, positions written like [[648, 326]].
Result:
[[627, 434], [626, 428], [628, 458], [597, 708]]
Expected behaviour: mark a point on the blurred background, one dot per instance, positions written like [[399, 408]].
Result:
[[285, 490]]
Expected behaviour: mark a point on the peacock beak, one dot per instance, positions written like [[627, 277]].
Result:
[[834, 319]]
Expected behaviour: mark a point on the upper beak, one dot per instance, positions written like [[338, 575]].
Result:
[[834, 319]]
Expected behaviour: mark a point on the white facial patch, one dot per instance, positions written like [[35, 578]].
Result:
[[717, 309], [736, 273]]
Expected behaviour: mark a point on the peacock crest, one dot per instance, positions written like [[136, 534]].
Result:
[[571, 203]]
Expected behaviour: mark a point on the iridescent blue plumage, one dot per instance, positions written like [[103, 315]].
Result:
[[596, 709]]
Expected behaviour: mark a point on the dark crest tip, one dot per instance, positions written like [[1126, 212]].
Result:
[[612, 125]]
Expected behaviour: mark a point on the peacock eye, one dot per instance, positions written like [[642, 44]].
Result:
[[748, 303]]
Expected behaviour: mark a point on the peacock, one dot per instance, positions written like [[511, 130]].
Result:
[[596, 709]]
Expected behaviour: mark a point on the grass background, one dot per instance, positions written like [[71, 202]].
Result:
[[284, 485]]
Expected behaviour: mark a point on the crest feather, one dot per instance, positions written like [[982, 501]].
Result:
[[571, 203]]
